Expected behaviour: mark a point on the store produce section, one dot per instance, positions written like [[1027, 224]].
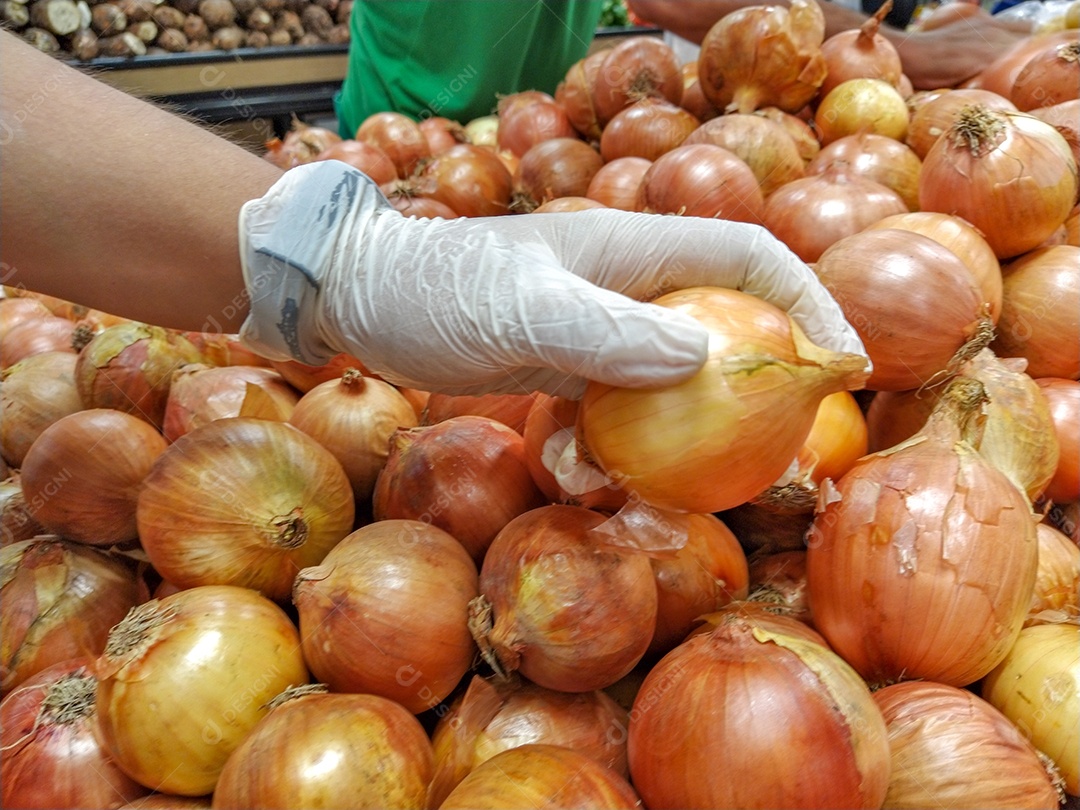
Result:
[[792, 580]]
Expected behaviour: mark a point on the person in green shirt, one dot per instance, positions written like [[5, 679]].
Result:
[[454, 58]]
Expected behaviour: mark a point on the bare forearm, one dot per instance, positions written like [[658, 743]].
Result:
[[116, 204]]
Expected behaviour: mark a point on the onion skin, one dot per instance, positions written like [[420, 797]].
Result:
[[554, 168], [32, 336], [366, 157], [951, 748], [16, 522], [748, 692], [860, 53], [386, 613], [510, 409], [1057, 583], [778, 581], [304, 377], [269, 501], [328, 750], [35, 393], [932, 115], [184, 679], [575, 94], [1063, 397]]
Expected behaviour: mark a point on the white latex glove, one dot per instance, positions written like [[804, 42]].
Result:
[[533, 302]]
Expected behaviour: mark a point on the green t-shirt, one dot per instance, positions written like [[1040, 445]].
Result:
[[453, 58]]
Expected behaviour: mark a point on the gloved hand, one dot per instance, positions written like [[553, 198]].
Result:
[[533, 302]]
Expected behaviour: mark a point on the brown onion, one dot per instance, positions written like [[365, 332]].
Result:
[[701, 180], [876, 157], [615, 184], [813, 213], [510, 409], [894, 416], [469, 179], [861, 53], [398, 136], [575, 94], [301, 144], [315, 749], [554, 168], [386, 613], [1049, 77], [561, 604], [861, 105], [1056, 596], [420, 207], [36, 392], [693, 97], [223, 349], [49, 333], [761, 142], [16, 310], [16, 522], [442, 133], [636, 68], [366, 157], [1063, 397], [270, 501], [524, 125], [1065, 117], [935, 114], [907, 545], [1000, 75], [60, 599], [647, 129], [951, 748]]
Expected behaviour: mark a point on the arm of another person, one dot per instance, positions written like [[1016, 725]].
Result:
[[116, 203]]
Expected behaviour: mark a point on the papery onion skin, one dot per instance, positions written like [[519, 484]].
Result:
[[35, 393], [778, 581], [82, 476], [554, 168], [862, 52], [1057, 584], [523, 127], [184, 679], [366, 157], [304, 377], [329, 750], [60, 599], [51, 756], [566, 205], [386, 613], [932, 116], [16, 522], [951, 748], [575, 94], [701, 180], [539, 775], [36, 335], [1000, 75], [1063, 397], [14, 310], [749, 693], [510, 409], [244, 502], [679, 447], [1037, 686]]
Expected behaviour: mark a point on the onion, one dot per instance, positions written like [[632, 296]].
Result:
[[442, 133], [838, 438], [51, 756], [950, 748], [469, 179], [491, 717], [1065, 118], [778, 581], [762, 143], [1049, 77], [36, 392], [60, 599], [14, 311], [615, 184], [301, 144], [304, 377], [398, 136], [861, 53], [693, 98], [199, 394], [764, 56], [800, 130], [354, 419], [184, 679], [947, 13], [1011, 175], [747, 692], [538, 775], [561, 604], [922, 558], [167, 801], [420, 207], [1037, 686], [510, 409], [566, 205], [366, 157], [1000, 75], [1063, 398], [697, 446], [1056, 596], [16, 522], [314, 749], [701, 180], [636, 68], [815, 212], [554, 168], [575, 94], [1040, 312], [874, 157], [268, 501], [386, 613], [49, 333], [524, 125], [1066, 518], [894, 416], [483, 131], [934, 115], [861, 105], [221, 349], [914, 303], [83, 474], [646, 129]]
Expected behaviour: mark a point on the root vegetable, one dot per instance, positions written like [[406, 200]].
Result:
[[14, 14], [60, 17], [229, 38], [107, 19], [173, 40], [217, 13], [124, 44], [84, 45], [168, 16]]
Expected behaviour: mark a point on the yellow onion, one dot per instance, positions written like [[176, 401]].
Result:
[[861, 53], [304, 377], [246, 502], [82, 476], [35, 393], [646, 129], [184, 679], [861, 105], [951, 748], [1050, 77], [575, 94], [386, 613], [762, 143], [764, 56], [493, 716], [932, 114], [876, 157], [762, 698], [698, 446], [922, 558], [50, 333], [701, 180], [1056, 596], [636, 68], [800, 130], [315, 749], [616, 183], [1037, 686]]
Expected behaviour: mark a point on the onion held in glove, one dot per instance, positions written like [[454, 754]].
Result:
[[716, 440]]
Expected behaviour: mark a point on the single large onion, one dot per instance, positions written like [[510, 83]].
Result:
[[797, 127], [636, 68], [914, 303], [386, 613], [1056, 596], [922, 558], [522, 126], [861, 105], [647, 129], [1049, 77], [315, 749], [494, 716], [933, 115], [1037, 686], [562, 604], [398, 136], [1063, 397], [442, 133], [554, 168], [32, 336], [354, 418], [52, 758], [616, 183], [468, 179], [184, 679], [60, 599], [861, 53], [813, 213], [35, 393], [268, 501], [1009, 174], [1000, 75], [951, 748], [1040, 311], [875, 157], [764, 56], [762, 143], [701, 180], [301, 144], [697, 446], [748, 692], [82, 476]]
